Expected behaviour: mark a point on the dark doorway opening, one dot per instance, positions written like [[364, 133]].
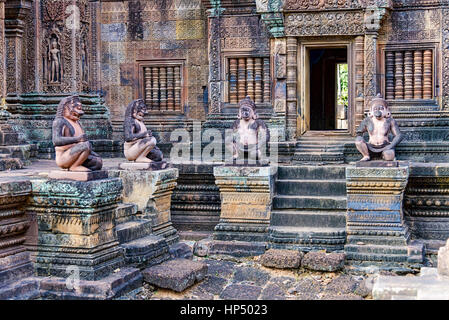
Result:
[[328, 80]]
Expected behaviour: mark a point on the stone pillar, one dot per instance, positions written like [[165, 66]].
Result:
[[151, 191], [375, 224], [15, 13], [15, 262], [246, 197], [215, 84], [76, 223], [291, 83]]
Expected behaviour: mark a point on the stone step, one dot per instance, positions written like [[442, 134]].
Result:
[[309, 218], [132, 230], [146, 251], [24, 289], [306, 238], [311, 187], [306, 232], [376, 257], [7, 163], [125, 212], [376, 249], [318, 157], [312, 172], [309, 202], [319, 148], [376, 240]]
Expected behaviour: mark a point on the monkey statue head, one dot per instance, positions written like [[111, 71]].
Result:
[[247, 109], [137, 109], [379, 108], [70, 108]]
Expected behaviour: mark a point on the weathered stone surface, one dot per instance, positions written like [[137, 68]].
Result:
[[177, 274], [154, 165], [375, 225], [284, 282], [443, 260], [245, 211], [77, 175], [112, 286], [151, 191], [281, 259], [201, 247], [251, 276], [23, 289], [273, 292], [212, 284], [307, 289], [76, 226], [220, 268], [241, 292], [181, 250], [237, 248], [322, 261], [344, 284]]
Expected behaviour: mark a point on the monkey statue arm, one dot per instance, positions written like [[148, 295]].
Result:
[[130, 126], [58, 138], [260, 125], [363, 127], [398, 136]]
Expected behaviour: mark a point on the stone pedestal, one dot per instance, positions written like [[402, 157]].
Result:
[[76, 227], [376, 232], [15, 263], [246, 196], [151, 191]]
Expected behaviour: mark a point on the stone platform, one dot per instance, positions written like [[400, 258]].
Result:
[[77, 175], [376, 232], [246, 197], [151, 192]]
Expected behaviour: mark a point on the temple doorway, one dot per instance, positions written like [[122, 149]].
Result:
[[328, 76]]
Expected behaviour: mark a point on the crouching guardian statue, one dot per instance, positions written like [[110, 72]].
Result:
[[249, 141], [73, 150], [380, 125], [140, 144]]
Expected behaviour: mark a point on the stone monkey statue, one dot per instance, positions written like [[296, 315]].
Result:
[[73, 150], [250, 134], [140, 145], [379, 124]]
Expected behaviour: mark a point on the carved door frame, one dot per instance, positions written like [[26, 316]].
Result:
[[303, 85]]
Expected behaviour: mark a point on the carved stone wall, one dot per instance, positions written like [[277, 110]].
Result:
[[137, 32]]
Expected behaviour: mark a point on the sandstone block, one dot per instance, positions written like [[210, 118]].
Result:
[[322, 261], [281, 259], [177, 274]]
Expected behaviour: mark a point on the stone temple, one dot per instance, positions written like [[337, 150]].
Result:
[[309, 72]]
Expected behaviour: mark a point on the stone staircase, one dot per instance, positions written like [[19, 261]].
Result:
[[321, 147], [141, 247], [309, 209]]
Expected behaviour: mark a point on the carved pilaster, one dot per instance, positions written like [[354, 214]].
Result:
[[373, 20], [2, 52], [292, 65], [215, 94], [445, 58], [245, 212], [359, 78], [15, 26]]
